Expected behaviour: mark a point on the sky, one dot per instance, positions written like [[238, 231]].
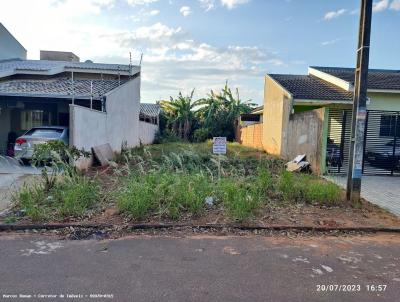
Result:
[[201, 44]]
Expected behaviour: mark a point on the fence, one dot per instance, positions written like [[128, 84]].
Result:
[[251, 136], [381, 142]]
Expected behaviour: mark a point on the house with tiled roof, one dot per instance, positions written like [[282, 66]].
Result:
[[99, 103], [311, 114]]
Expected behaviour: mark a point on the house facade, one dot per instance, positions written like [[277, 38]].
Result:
[[311, 114], [99, 103]]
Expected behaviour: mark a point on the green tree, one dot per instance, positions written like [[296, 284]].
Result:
[[219, 112], [180, 114]]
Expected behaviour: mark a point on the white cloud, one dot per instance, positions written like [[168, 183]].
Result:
[[154, 12], [335, 14], [231, 4], [380, 5], [207, 4], [330, 42], [395, 5], [140, 2], [185, 11], [173, 60]]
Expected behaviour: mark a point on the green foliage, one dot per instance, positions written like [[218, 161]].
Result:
[[62, 191], [167, 136], [241, 198], [201, 135], [175, 178], [32, 202], [69, 197], [215, 115], [169, 194], [308, 188], [57, 158], [74, 196], [55, 152], [136, 197]]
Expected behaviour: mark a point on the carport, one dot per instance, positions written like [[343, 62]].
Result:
[[18, 114], [33, 103]]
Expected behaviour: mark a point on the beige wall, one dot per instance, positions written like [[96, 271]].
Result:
[[251, 136], [384, 101], [277, 107]]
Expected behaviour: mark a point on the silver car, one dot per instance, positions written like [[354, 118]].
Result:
[[25, 144]]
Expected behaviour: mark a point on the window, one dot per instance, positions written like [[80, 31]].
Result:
[[34, 118], [390, 125]]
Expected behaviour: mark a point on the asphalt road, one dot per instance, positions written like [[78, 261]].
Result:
[[201, 268]]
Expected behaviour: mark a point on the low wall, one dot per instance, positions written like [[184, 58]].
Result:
[[87, 127], [95, 133], [147, 133], [305, 136], [251, 136], [118, 126]]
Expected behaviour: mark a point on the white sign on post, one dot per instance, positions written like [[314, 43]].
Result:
[[219, 145]]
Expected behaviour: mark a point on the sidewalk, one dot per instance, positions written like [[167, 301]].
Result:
[[383, 191]]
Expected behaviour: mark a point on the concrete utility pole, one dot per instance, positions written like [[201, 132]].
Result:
[[359, 104]]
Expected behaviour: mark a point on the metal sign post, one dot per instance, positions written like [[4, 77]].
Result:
[[219, 147], [359, 104]]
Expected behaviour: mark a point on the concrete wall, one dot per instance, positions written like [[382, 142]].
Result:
[[88, 128], [10, 48], [123, 106], [277, 107], [117, 126], [147, 133], [305, 136], [251, 136]]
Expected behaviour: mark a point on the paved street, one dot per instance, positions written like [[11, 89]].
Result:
[[202, 268], [383, 191], [12, 176]]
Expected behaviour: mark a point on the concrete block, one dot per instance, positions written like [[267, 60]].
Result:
[[104, 154]]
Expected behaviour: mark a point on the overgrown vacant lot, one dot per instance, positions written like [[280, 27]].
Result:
[[180, 182]]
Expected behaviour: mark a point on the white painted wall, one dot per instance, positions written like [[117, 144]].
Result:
[[147, 132], [90, 128], [10, 48], [123, 106]]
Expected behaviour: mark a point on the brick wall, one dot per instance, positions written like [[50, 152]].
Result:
[[251, 136]]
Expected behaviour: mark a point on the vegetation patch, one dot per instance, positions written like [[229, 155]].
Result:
[[172, 179]]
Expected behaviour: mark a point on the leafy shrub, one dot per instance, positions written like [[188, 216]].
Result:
[[201, 135], [167, 136]]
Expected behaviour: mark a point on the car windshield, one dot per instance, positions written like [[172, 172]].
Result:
[[45, 132]]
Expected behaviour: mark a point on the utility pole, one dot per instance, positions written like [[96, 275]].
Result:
[[359, 104]]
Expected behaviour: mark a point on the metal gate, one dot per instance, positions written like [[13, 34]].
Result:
[[381, 142]]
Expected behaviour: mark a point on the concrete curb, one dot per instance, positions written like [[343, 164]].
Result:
[[19, 227]]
